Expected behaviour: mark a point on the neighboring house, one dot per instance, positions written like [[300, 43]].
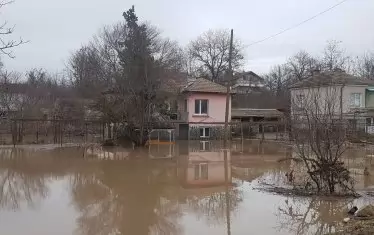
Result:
[[203, 165], [337, 94], [202, 107], [247, 82], [252, 100]]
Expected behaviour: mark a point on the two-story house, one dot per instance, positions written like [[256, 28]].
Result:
[[337, 94], [202, 108], [247, 82]]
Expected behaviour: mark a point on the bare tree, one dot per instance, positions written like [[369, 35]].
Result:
[[298, 67], [334, 57], [5, 44], [301, 65], [320, 135], [211, 53], [11, 94], [364, 66], [86, 67]]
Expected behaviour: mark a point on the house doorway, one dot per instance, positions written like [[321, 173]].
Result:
[[183, 131]]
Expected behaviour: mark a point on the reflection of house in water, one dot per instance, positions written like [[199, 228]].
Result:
[[203, 166]]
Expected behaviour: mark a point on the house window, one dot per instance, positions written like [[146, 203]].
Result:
[[300, 99], [205, 132], [201, 107], [201, 171], [204, 146], [356, 100]]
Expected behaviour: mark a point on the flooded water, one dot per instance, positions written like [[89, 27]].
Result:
[[186, 188]]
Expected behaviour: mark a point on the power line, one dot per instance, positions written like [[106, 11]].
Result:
[[297, 25]]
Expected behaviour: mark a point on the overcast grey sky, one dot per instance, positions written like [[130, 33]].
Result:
[[55, 28]]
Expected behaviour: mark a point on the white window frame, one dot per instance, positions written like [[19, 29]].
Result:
[[355, 100], [204, 132], [207, 107], [200, 175], [205, 146]]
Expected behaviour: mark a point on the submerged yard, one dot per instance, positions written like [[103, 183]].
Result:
[[183, 188]]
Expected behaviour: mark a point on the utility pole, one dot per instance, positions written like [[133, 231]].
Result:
[[228, 90], [226, 159]]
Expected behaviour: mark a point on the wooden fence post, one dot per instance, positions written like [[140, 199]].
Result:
[[37, 132]]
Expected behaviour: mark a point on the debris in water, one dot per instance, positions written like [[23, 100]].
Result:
[[353, 210]]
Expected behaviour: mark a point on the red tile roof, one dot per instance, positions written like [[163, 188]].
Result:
[[205, 86]]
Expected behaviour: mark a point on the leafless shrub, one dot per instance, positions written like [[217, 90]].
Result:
[[320, 135]]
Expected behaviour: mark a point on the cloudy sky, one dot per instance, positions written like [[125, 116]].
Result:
[[55, 28]]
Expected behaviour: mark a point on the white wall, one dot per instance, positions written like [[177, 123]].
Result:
[[325, 96]]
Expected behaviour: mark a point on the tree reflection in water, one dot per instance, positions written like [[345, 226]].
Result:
[[20, 184], [136, 196], [311, 215], [213, 207], [126, 198]]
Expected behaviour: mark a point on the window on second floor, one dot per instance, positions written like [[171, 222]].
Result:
[[355, 100], [201, 107]]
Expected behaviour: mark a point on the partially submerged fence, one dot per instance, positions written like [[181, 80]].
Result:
[[58, 131], [50, 131]]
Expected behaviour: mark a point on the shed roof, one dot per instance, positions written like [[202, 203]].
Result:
[[256, 113]]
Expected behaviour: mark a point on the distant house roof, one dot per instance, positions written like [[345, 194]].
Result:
[[236, 113], [205, 86], [338, 77], [248, 76]]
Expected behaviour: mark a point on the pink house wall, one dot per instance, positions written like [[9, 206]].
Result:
[[216, 107]]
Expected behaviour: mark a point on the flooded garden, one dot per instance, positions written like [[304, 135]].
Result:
[[193, 187]]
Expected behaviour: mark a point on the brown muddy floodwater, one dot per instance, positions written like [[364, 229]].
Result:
[[186, 188]]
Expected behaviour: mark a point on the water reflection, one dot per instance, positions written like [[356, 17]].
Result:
[[204, 173], [131, 198], [159, 189], [20, 184], [311, 215]]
